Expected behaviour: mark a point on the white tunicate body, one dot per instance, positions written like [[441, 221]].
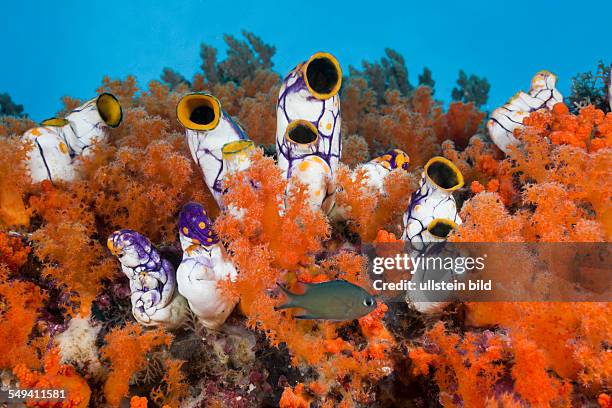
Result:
[[206, 149], [49, 157], [296, 103], [315, 174], [428, 203], [198, 276], [56, 148], [543, 94]]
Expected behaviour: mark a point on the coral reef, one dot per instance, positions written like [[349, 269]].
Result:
[[543, 94], [126, 348], [59, 141], [155, 300], [70, 319], [204, 264], [308, 141], [432, 211], [77, 347], [208, 129]]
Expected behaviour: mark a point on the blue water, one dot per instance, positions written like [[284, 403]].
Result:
[[65, 49]]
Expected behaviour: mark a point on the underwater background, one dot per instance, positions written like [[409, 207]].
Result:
[[188, 194], [79, 42]]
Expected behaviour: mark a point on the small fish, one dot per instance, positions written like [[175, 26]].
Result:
[[336, 300]]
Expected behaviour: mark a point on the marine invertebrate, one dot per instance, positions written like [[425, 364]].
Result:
[[462, 122], [19, 310], [591, 88], [244, 59], [432, 211], [372, 177], [58, 141], [205, 264], [472, 89], [126, 348], [72, 258], [388, 74], [13, 181], [237, 155], [377, 169], [55, 376], [308, 124], [8, 107], [77, 346], [543, 94], [13, 253], [208, 128], [262, 256], [470, 368], [173, 388], [552, 186], [316, 176], [575, 330], [155, 300], [368, 209]]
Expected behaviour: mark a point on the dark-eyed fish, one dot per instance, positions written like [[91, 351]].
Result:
[[336, 300]]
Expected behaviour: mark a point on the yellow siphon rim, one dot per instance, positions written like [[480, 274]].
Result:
[[334, 61], [193, 100], [235, 147], [54, 122], [305, 123], [109, 109], [437, 221], [111, 246], [440, 159]]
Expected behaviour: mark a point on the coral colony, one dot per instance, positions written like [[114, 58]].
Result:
[[243, 282]]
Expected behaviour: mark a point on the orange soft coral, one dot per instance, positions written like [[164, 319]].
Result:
[[575, 331], [531, 379], [173, 388], [13, 182], [138, 402], [589, 130], [264, 256], [464, 367], [55, 376], [19, 304], [580, 171], [143, 183], [295, 398], [487, 220], [12, 252], [463, 120], [126, 348], [74, 259], [125, 90], [367, 209], [354, 151]]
